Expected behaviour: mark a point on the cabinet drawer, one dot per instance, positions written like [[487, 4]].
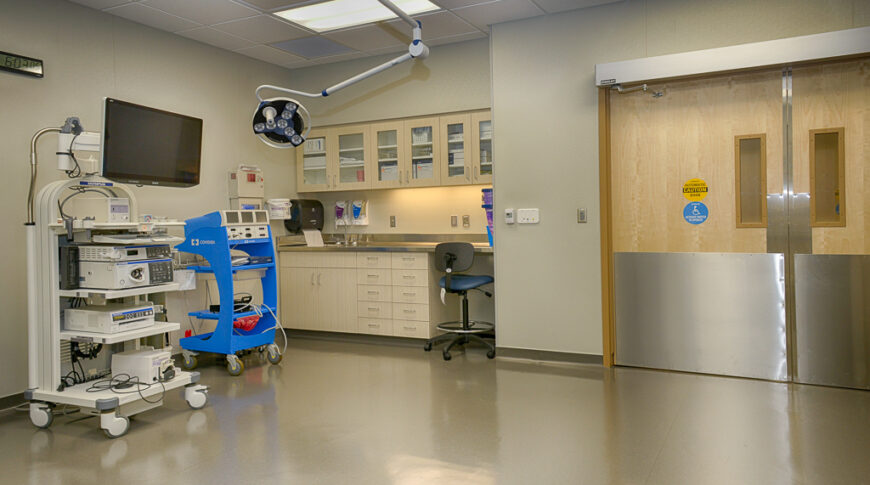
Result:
[[373, 276], [337, 259], [411, 311], [411, 294], [410, 328], [376, 326], [293, 259], [410, 277], [374, 292], [410, 260], [374, 309], [372, 260]]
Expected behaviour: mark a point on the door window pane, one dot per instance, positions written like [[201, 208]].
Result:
[[827, 177], [422, 163], [751, 181], [456, 150], [388, 155], [485, 147], [351, 158]]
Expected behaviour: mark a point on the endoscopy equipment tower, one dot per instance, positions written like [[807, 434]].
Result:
[[46, 333]]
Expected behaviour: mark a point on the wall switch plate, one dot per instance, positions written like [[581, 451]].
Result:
[[466, 221], [581, 215], [509, 216], [392, 221], [454, 221], [528, 216]]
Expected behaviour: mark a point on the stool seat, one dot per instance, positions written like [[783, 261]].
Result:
[[464, 282]]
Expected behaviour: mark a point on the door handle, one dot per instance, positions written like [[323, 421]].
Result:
[[312, 279], [318, 278]]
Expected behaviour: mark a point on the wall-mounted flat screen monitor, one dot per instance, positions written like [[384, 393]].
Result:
[[148, 146]]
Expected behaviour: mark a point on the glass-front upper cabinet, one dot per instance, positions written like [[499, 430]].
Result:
[[388, 147], [456, 164], [350, 161], [481, 128], [311, 170], [423, 142]]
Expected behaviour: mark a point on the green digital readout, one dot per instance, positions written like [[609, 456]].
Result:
[[21, 64]]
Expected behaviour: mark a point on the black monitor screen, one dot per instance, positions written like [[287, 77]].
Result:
[[147, 146]]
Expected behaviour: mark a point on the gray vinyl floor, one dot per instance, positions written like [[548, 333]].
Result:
[[350, 413]]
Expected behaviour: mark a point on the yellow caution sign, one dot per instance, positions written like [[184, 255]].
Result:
[[695, 190]]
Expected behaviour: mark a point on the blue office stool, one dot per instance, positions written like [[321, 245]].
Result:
[[451, 258]]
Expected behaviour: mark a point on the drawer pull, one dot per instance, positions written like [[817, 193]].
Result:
[[374, 325], [373, 309], [410, 294], [404, 258], [372, 258], [409, 311], [374, 292], [372, 275], [409, 276], [409, 328]]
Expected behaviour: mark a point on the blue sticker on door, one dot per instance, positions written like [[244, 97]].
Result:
[[695, 212]]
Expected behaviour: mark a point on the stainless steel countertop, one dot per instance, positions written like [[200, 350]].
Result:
[[413, 247]]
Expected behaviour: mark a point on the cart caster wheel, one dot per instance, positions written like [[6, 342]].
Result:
[[446, 355], [235, 367], [118, 426], [274, 356], [196, 396], [427, 346], [189, 362], [490, 354], [41, 415], [261, 349]]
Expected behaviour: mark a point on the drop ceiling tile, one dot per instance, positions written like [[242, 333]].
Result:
[[216, 38], [498, 11], [372, 37], [205, 12], [152, 17], [272, 55], [555, 6], [339, 58], [270, 5], [451, 4], [452, 39], [388, 50], [438, 24], [100, 4], [313, 47], [262, 29]]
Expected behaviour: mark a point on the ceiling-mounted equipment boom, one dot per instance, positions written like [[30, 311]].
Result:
[[284, 122]]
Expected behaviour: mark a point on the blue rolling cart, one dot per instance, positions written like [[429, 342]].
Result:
[[213, 236]]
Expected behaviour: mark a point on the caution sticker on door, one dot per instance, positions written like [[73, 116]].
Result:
[[695, 190], [695, 212]]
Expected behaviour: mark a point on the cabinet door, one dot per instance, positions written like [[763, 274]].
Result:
[[311, 163], [456, 164], [336, 299], [423, 161], [389, 152], [350, 164], [298, 307], [481, 139]]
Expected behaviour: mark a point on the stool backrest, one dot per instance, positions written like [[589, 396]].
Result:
[[455, 255]]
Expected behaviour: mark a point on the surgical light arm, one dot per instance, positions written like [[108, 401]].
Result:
[[416, 50]]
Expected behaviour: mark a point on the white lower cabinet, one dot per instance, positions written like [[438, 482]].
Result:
[[318, 292], [365, 292]]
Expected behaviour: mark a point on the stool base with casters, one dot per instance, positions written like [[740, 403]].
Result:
[[452, 257]]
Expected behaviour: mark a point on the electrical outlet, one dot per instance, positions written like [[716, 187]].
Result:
[[509, 216], [581, 215], [454, 221], [392, 221], [466, 221], [528, 216]]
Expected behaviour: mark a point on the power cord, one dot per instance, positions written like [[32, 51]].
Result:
[[258, 310], [76, 172], [120, 383]]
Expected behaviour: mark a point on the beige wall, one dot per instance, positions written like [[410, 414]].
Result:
[[543, 72], [89, 55]]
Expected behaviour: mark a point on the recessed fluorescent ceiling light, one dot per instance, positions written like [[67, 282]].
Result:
[[337, 14]]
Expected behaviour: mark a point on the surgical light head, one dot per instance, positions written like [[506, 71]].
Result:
[[281, 122]]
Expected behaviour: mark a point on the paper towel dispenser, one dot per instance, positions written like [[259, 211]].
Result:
[[304, 214]]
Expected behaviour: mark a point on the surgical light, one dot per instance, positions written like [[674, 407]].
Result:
[[298, 121]]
